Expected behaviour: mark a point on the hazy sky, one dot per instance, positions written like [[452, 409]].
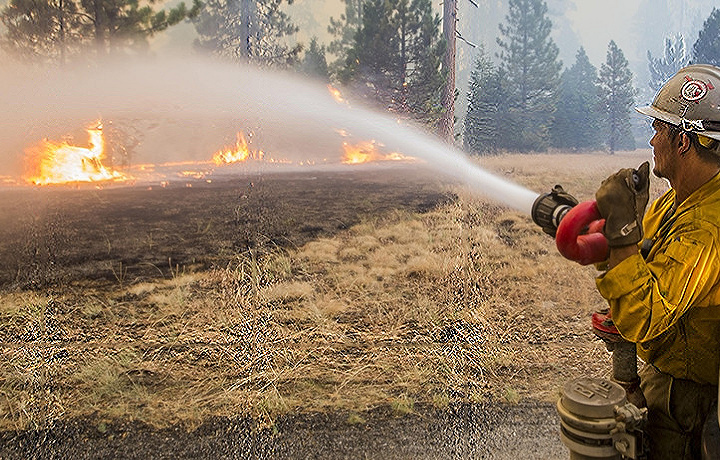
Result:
[[598, 21]]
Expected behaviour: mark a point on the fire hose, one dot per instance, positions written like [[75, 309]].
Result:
[[600, 418]]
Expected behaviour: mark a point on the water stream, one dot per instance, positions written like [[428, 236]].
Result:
[[184, 109]]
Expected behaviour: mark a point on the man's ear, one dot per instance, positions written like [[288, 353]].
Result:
[[684, 143]]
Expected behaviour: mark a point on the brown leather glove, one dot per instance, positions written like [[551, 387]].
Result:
[[621, 200]]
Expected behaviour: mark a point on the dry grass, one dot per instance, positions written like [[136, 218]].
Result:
[[469, 302]]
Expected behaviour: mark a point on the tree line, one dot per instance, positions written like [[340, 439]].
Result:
[[526, 103], [388, 52]]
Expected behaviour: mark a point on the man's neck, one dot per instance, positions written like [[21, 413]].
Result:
[[692, 178]]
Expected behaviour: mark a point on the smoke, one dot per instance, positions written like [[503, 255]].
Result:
[[178, 109], [186, 109]]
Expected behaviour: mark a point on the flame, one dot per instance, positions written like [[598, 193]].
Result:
[[336, 94], [367, 151], [58, 163], [240, 152]]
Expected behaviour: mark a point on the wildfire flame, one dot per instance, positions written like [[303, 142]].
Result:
[[58, 163], [336, 94], [367, 151], [239, 152]]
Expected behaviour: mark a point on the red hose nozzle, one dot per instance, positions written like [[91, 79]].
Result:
[[579, 235]]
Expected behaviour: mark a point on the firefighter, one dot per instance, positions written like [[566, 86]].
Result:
[[663, 274]]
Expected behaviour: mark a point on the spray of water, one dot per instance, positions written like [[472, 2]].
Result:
[[185, 109]]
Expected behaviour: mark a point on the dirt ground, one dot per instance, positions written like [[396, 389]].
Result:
[[61, 238], [496, 431]]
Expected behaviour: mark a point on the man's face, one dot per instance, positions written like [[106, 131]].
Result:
[[664, 153]]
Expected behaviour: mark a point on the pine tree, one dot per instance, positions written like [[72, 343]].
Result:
[[577, 122], [54, 30], [343, 30], [314, 63], [372, 61], [529, 58], [422, 52], [42, 30], [662, 68], [396, 58], [247, 30], [706, 49], [617, 96], [485, 93]]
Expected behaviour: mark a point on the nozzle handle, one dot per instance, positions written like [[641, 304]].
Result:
[[579, 236]]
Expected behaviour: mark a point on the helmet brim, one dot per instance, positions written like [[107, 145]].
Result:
[[673, 119]]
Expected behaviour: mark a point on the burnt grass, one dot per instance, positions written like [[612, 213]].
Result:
[[55, 237]]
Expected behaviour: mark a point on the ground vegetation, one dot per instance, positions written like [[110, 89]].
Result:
[[250, 298]]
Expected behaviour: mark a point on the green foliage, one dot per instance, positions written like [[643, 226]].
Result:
[[576, 121], [38, 30], [706, 49], [423, 55], [314, 63], [55, 30], [617, 96], [485, 96], [247, 30], [343, 30], [529, 59], [396, 58], [662, 68]]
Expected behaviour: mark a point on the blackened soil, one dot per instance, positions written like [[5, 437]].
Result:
[[55, 235], [521, 431]]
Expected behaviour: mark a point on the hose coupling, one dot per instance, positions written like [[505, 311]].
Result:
[[549, 209]]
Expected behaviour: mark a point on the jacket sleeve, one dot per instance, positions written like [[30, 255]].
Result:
[[648, 298]]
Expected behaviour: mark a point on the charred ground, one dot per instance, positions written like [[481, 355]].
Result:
[[56, 235]]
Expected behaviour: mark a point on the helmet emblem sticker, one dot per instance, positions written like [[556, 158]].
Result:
[[693, 90]]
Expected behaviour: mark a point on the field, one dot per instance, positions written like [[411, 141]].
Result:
[[265, 297]]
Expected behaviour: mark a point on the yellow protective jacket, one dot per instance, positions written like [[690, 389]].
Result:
[[669, 303]]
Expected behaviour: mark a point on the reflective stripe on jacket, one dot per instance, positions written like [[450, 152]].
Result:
[[669, 303]]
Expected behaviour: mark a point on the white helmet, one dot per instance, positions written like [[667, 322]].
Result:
[[690, 100]]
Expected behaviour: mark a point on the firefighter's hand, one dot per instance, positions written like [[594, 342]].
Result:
[[621, 200]]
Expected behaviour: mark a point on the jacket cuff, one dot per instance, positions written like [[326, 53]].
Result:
[[626, 276]]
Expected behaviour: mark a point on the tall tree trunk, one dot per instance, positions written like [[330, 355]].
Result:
[[99, 33], [247, 26], [61, 20], [448, 99]]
